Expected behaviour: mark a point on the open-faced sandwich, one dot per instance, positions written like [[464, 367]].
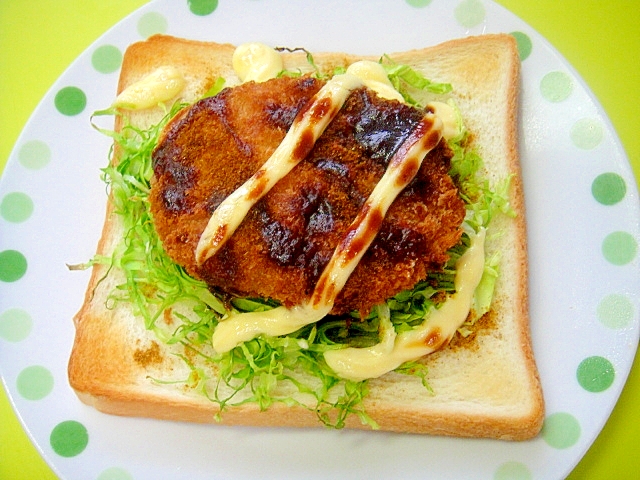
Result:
[[300, 239]]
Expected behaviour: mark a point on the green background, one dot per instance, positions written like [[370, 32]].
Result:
[[600, 38]]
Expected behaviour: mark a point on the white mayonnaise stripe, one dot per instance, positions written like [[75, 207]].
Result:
[[305, 129], [375, 77], [256, 62], [402, 168], [437, 329], [161, 85], [242, 327]]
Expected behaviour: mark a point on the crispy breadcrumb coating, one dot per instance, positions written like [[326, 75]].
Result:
[[287, 238]]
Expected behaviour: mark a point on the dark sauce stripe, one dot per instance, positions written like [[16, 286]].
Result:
[[259, 187], [303, 146]]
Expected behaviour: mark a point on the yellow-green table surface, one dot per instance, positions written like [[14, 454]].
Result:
[[600, 38]]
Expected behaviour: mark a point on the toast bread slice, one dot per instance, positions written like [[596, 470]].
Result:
[[484, 385]]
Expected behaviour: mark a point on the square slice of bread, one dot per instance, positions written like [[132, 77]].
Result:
[[484, 385]]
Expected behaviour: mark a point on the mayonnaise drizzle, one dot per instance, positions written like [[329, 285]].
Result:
[[404, 165], [256, 62], [436, 330], [374, 77], [161, 85], [325, 105], [448, 115]]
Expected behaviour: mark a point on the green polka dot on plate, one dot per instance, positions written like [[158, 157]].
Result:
[[16, 207], [524, 44], [34, 383], [587, 133], [418, 3], [561, 430], [13, 266], [619, 248], [106, 59], [469, 13], [556, 86], [115, 473], [34, 154], [608, 188], [15, 325], [69, 438], [512, 471], [202, 7], [615, 311], [70, 101], [595, 374], [151, 23]]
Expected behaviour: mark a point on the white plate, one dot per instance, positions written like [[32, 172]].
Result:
[[583, 239]]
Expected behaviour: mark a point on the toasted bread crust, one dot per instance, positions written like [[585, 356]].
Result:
[[486, 388]]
